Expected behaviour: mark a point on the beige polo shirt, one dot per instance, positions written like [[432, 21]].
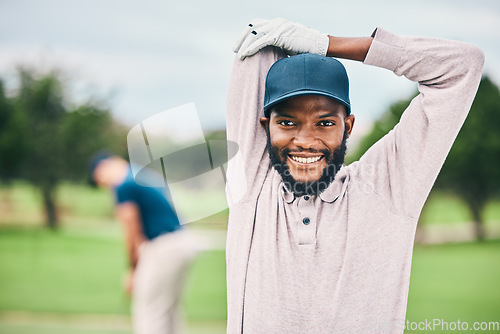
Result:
[[339, 262]]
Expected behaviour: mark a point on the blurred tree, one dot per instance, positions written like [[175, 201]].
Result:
[[58, 139], [41, 101], [12, 145], [87, 129], [471, 168]]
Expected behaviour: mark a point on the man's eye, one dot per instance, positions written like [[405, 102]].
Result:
[[326, 123], [285, 123]]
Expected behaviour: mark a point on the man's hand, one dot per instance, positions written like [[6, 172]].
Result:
[[128, 282], [294, 38]]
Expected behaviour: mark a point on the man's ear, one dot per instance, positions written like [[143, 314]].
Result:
[[349, 124], [264, 121]]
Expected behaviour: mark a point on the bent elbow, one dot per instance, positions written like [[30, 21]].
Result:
[[475, 57], [468, 67]]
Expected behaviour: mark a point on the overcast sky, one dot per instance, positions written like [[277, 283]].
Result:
[[147, 56]]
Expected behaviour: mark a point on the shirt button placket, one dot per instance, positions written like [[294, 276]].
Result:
[[307, 226]]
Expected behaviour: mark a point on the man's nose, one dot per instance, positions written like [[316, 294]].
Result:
[[305, 138]]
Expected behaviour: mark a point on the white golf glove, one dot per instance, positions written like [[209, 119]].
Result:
[[294, 38]]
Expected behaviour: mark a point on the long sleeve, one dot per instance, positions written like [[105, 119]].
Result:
[[245, 97], [402, 167], [246, 171]]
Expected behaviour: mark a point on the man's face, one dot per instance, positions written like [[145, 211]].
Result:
[[102, 173], [306, 141]]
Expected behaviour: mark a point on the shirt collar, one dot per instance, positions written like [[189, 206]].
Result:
[[337, 187], [330, 194], [287, 195]]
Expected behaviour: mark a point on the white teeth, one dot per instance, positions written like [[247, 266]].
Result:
[[305, 160]]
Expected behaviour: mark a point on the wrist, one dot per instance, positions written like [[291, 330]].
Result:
[[322, 44]]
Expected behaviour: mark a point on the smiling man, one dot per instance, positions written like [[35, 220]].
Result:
[[309, 141], [314, 246], [308, 118]]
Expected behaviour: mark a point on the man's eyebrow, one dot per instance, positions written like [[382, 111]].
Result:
[[335, 114], [283, 114]]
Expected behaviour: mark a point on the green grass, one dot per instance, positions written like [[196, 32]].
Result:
[[66, 328], [56, 272], [51, 329], [62, 273], [43, 271], [205, 296], [455, 282]]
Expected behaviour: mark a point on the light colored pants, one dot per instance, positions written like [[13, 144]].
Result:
[[158, 283]]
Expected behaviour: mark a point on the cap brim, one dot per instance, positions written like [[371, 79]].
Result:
[[305, 92]]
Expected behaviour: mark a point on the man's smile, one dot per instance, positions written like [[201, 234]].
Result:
[[305, 159]]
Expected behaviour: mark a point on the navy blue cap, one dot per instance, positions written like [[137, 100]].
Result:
[[306, 74]]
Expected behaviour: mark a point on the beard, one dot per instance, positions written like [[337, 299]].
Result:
[[333, 161]]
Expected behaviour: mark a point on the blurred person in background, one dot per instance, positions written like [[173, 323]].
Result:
[[160, 250]]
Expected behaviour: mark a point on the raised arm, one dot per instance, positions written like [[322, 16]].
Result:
[[403, 166], [245, 99]]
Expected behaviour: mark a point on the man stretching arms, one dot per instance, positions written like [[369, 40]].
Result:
[[314, 246]]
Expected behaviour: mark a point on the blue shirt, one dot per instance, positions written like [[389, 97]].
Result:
[[157, 215]]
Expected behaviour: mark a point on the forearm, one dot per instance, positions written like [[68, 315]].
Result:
[[132, 244], [354, 48], [128, 214], [436, 64]]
